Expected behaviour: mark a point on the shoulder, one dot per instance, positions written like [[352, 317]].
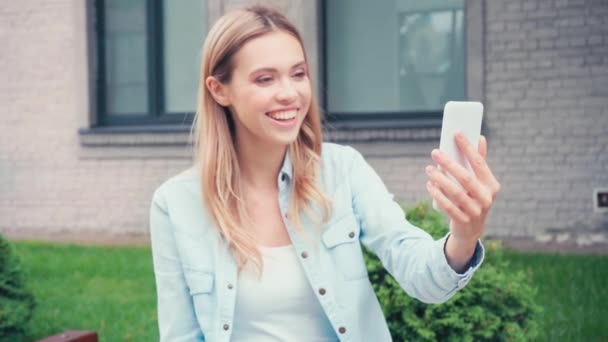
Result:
[[340, 157], [180, 197], [337, 163], [332, 152], [183, 186]]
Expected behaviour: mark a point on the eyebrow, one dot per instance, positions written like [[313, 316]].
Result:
[[302, 63]]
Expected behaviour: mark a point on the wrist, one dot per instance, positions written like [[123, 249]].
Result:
[[464, 244], [459, 252], [464, 237]]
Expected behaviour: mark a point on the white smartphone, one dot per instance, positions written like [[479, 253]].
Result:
[[459, 116]]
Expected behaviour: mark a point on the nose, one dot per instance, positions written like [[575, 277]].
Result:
[[287, 92]]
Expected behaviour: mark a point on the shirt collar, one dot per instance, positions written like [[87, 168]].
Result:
[[286, 169]]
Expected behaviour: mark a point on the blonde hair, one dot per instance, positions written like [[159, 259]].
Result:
[[214, 140]]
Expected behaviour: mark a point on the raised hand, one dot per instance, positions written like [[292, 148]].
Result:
[[467, 205]]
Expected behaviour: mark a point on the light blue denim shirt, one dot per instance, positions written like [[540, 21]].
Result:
[[196, 275]]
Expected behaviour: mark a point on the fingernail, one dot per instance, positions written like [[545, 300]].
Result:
[[429, 169], [435, 153]]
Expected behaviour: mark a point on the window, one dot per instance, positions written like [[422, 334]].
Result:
[[393, 59], [149, 55]]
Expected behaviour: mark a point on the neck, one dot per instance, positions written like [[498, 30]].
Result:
[[260, 164]]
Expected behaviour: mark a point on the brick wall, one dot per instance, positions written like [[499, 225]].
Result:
[[47, 184], [546, 96]]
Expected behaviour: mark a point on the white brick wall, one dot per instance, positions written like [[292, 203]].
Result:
[[45, 185], [547, 111], [546, 99]]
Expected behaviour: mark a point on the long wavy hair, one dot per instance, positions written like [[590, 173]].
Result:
[[214, 137]]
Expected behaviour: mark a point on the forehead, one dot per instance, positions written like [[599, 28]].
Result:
[[278, 49]]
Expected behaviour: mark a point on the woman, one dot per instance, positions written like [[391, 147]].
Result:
[[259, 241]]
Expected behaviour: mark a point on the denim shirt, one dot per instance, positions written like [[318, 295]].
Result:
[[196, 275]]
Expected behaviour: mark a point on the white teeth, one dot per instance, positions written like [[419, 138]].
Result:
[[286, 115]]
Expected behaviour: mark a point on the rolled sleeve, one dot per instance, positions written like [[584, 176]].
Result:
[[446, 276]]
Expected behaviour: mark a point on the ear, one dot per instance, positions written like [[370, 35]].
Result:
[[218, 91]]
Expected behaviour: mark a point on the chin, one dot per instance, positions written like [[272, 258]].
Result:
[[284, 137], [285, 140]]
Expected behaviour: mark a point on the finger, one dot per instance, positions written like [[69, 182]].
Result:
[[446, 205], [456, 194], [495, 188], [483, 147], [467, 180], [483, 151], [476, 160]]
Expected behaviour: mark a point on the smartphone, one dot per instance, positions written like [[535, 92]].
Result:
[[459, 116]]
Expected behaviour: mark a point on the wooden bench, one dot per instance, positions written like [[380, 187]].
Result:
[[73, 336]]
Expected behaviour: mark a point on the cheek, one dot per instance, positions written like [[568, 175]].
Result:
[[256, 98], [306, 86], [250, 101], [305, 92]]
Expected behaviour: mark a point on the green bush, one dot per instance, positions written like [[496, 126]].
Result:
[[496, 305], [16, 300]]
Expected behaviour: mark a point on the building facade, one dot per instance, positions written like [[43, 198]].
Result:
[[96, 98]]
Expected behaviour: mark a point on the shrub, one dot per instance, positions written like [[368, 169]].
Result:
[[496, 305], [16, 300]]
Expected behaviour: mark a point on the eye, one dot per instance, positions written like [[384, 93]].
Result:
[[263, 80], [300, 74]]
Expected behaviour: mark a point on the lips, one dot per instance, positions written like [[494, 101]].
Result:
[[283, 114]]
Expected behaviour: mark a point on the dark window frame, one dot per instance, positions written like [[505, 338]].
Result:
[[156, 115], [384, 119]]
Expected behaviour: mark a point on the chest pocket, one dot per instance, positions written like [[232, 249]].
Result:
[[200, 285], [342, 241], [199, 282]]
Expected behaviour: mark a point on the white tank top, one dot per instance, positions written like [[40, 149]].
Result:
[[280, 305]]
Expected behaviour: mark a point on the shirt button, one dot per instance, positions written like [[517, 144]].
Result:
[[321, 291], [226, 327], [304, 255], [342, 330], [351, 235], [230, 287], [283, 177]]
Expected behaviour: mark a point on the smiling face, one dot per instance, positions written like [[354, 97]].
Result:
[[269, 93]]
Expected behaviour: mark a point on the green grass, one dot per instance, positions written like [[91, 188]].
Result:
[[573, 291], [111, 290], [106, 289]]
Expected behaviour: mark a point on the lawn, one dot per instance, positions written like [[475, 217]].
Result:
[[111, 290], [573, 291], [106, 289]]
